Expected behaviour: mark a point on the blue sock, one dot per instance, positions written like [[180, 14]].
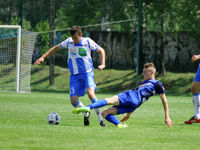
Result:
[[111, 118], [98, 104], [94, 100]]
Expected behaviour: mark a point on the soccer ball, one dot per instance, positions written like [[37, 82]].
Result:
[[53, 118]]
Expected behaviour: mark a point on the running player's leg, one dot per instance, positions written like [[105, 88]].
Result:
[[76, 90], [76, 103], [93, 98], [196, 99], [91, 87]]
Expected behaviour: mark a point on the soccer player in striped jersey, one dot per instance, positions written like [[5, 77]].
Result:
[[81, 67], [128, 101], [195, 90]]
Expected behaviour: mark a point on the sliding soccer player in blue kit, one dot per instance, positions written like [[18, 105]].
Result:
[[129, 101]]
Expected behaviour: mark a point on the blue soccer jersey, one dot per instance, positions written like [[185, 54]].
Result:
[[148, 88], [79, 55], [132, 99]]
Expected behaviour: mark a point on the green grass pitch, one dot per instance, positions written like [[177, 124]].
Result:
[[23, 125]]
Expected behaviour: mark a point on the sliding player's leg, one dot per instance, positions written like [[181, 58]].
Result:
[[100, 103], [109, 115], [77, 89]]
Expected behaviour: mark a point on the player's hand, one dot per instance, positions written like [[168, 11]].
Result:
[[101, 67], [125, 118], [195, 57], [168, 122], [39, 61]]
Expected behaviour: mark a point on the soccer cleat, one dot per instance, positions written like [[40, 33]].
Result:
[[80, 109], [122, 125], [103, 124], [86, 119], [192, 120]]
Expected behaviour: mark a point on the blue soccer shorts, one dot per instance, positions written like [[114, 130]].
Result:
[[79, 83], [128, 102], [197, 76]]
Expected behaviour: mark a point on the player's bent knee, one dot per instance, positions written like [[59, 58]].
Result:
[[91, 94], [195, 89], [104, 113]]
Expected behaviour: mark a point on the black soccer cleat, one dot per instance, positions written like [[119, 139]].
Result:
[[103, 124], [86, 119]]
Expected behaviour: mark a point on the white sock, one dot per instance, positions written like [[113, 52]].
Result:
[[80, 104], [98, 112], [196, 101]]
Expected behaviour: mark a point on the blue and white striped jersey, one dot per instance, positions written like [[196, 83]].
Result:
[[79, 55]]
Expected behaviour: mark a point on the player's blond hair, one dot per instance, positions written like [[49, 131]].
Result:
[[150, 66]]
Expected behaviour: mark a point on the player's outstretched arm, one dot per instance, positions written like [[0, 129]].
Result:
[[49, 52], [166, 109], [195, 57], [103, 58], [126, 117]]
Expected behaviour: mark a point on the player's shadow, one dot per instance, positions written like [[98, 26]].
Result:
[[173, 86], [120, 86], [7, 71]]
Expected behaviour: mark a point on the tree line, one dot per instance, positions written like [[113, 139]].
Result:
[[157, 15], [166, 15]]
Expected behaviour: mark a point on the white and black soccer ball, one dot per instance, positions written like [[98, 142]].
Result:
[[53, 118]]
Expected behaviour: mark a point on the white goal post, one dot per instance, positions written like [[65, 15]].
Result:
[[16, 48]]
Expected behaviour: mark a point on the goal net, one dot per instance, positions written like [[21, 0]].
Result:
[[16, 48]]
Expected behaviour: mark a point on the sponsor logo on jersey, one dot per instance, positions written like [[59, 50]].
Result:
[[82, 52], [144, 84], [73, 52]]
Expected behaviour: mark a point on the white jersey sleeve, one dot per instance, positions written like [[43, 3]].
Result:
[[92, 45], [65, 43]]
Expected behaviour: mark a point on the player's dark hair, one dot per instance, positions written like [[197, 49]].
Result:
[[150, 65], [75, 29]]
